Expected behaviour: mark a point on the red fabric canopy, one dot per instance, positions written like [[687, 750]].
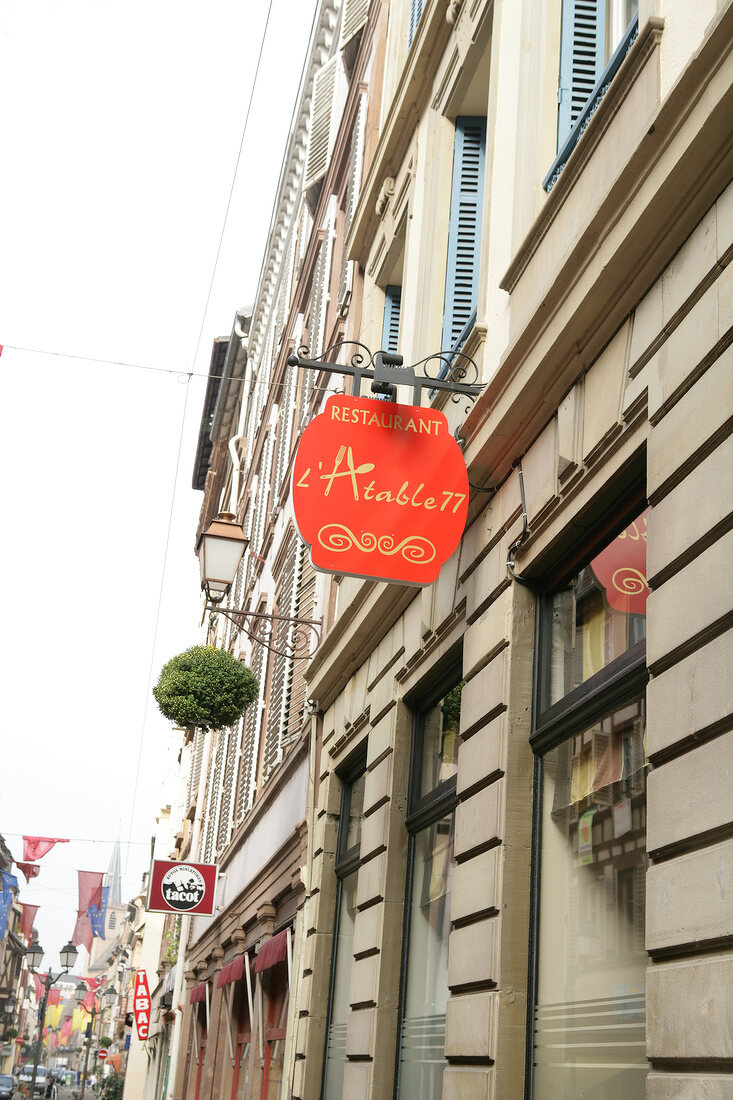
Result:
[[198, 994], [232, 972], [272, 952]]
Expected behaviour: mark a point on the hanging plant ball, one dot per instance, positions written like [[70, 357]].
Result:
[[205, 687]]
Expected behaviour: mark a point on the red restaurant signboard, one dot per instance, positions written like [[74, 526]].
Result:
[[380, 490], [182, 887]]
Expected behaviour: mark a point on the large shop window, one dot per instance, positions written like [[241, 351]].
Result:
[[590, 829], [347, 870], [431, 825]]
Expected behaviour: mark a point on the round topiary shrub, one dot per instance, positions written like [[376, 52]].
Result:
[[205, 687]]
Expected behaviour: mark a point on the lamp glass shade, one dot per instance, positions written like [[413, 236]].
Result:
[[80, 993], [68, 956], [110, 995], [220, 552], [10, 1003], [34, 955]]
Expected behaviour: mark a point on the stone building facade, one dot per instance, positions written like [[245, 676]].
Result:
[[536, 903], [507, 869]]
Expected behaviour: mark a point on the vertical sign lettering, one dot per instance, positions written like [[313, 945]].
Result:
[[141, 1004]]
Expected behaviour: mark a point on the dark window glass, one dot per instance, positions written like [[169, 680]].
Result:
[[601, 613], [440, 725], [356, 812], [590, 1003], [338, 1019], [422, 1035]]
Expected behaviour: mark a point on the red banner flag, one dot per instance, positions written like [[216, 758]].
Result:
[[30, 870], [90, 889], [36, 846], [88, 1001], [54, 997], [93, 983], [26, 920], [83, 934], [38, 985]]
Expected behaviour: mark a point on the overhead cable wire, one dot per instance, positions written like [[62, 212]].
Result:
[[180, 373], [183, 421]]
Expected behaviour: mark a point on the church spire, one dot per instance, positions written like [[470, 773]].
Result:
[[113, 878]]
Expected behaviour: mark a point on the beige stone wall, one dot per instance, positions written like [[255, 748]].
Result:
[[682, 353]]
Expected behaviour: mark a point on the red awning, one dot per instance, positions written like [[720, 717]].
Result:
[[232, 972], [272, 952], [197, 994]]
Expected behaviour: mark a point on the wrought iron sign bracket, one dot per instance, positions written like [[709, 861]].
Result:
[[281, 634], [386, 371]]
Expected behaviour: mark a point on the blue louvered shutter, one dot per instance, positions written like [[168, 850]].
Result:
[[416, 7], [582, 59], [464, 234], [391, 328]]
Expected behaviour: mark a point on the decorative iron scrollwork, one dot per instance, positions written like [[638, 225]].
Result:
[[281, 634], [454, 371]]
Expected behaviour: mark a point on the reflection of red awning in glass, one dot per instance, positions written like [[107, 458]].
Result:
[[273, 952], [198, 994], [232, 972], [621, 569]]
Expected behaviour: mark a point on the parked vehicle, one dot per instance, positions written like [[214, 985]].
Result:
[[26, 1076], [6, 1086]]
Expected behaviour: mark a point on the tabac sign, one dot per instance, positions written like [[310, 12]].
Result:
[[141, 1006], [380, 490]]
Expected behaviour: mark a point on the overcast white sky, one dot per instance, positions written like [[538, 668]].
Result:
[[119, 132]]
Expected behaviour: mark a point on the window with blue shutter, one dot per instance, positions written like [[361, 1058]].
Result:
[[391, 327], [582, 58], [596, 36], [416, 7], [464, 234]]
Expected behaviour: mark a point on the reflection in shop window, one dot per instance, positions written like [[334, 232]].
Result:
[[590, 1004], [431, 827], [440, 741], [422, 1038], [601, 613]]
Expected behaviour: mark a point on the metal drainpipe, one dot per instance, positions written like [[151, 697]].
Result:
[[186, 924]]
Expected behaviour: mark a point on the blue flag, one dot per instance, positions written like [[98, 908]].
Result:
[[98, 916], [9, 883], [6, 899]]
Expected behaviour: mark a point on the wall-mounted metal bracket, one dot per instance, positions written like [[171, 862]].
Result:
[[281, 634], [385, 370]]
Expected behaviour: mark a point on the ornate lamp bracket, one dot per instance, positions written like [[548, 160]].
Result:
[[452, 371], [281, 634]]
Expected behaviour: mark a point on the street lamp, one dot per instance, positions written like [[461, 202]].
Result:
[[220, 550], [109, 996], [34, 957]]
